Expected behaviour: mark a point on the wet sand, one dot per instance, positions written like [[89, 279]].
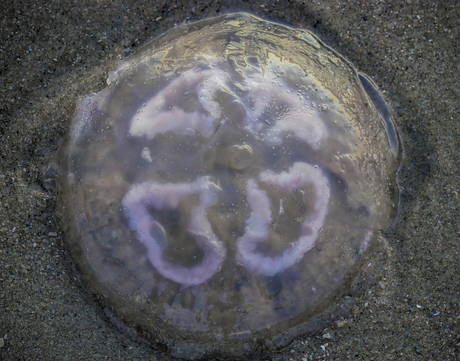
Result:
[[53, 52]]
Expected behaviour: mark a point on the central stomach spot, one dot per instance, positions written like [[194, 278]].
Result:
[[180, 246], [289, 211]]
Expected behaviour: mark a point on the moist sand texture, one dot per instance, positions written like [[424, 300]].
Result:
[[53, 52]]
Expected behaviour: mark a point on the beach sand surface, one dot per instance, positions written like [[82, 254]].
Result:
[[51, 53]]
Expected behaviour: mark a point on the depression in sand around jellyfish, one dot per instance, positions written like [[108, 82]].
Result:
[[220, 191]]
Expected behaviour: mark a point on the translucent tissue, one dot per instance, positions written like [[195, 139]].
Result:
[[220, 193]]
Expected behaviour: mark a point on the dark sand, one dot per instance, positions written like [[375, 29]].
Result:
[[53, 52]]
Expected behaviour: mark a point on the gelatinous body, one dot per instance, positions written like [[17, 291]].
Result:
[[219, 193]]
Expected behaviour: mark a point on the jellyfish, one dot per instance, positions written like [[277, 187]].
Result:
[[222, 191]]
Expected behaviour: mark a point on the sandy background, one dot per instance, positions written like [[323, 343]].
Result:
[[53, 52]]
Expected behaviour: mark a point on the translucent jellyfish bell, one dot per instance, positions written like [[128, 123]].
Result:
[[221, 191]]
